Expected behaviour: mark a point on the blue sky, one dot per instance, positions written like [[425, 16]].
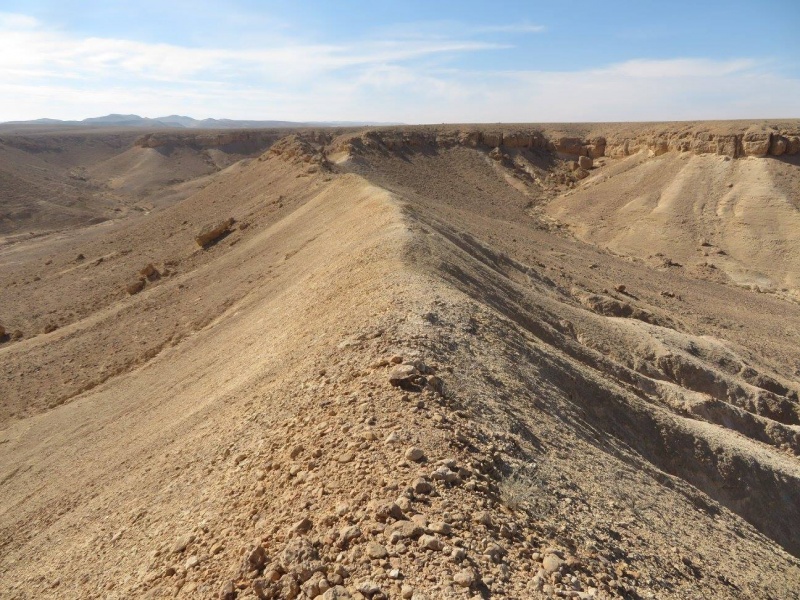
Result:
[[410, 61]]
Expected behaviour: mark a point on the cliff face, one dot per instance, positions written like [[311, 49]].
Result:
[[262, 138], [748, 143], [612, 140]]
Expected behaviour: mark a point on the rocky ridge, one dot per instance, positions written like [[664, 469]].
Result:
[[775, 140], [395, 382]]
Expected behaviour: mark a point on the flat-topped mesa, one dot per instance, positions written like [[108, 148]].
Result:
[[625, 141]]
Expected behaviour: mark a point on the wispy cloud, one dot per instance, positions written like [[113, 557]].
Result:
[[47, 72], [511, 28]]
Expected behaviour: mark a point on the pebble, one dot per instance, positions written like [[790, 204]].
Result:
[[302, 526], [403, 530], [441, 528], [444, 474], [422, 486], [552, 562], [346, 457], [182, 542], [337, 592], [464, 578], [369, 588], [415, 454], [349, 533], [431, 542], [376, 551]]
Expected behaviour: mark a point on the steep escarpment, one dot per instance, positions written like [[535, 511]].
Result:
[[733, 139]]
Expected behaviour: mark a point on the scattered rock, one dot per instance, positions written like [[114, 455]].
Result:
[[422, 486], [620, 288], [431, 542], [388, 510], [213, 232], [465, 577], [403, 530], [441, 528], [445, 474], [369, 588], [182, 542], [376, 551], [228, 591], [302, 526], [406, 377], [348, 534], [436, 384], [150, 272], [415, 454], [257, 558], [552, 563], [346, 457], [337, 592], [135, 287]]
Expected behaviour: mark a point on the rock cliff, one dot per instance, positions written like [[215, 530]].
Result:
[[612, 140]]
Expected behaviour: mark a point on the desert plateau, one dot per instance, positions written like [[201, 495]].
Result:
[[419, 362]]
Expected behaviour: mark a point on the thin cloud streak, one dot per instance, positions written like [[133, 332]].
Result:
[[513, 28], [46, 73]]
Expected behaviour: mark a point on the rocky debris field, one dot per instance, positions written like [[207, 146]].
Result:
[[387, 372]]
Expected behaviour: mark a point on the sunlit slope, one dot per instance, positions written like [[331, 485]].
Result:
[[741, 217]]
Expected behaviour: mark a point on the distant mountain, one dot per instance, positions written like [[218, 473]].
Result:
[[178, 121]]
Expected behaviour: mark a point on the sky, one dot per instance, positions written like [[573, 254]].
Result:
[[405, 61]]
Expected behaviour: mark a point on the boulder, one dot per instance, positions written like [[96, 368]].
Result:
[[794, 145], [778, 145], [135, 287], [728, 145], [756, 143], [212, 232], [570, 145], [659, 146], [517, 140], [150, 272], [584, 162], [493, 139], [471, 139]]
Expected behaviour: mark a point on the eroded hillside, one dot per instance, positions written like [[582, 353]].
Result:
[[396, 375]]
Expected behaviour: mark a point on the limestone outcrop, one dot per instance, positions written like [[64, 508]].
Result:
[[750, 140]]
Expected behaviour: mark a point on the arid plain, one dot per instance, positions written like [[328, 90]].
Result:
[[520, 361]]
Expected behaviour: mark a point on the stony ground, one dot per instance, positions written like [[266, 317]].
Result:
[[392, 376]]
